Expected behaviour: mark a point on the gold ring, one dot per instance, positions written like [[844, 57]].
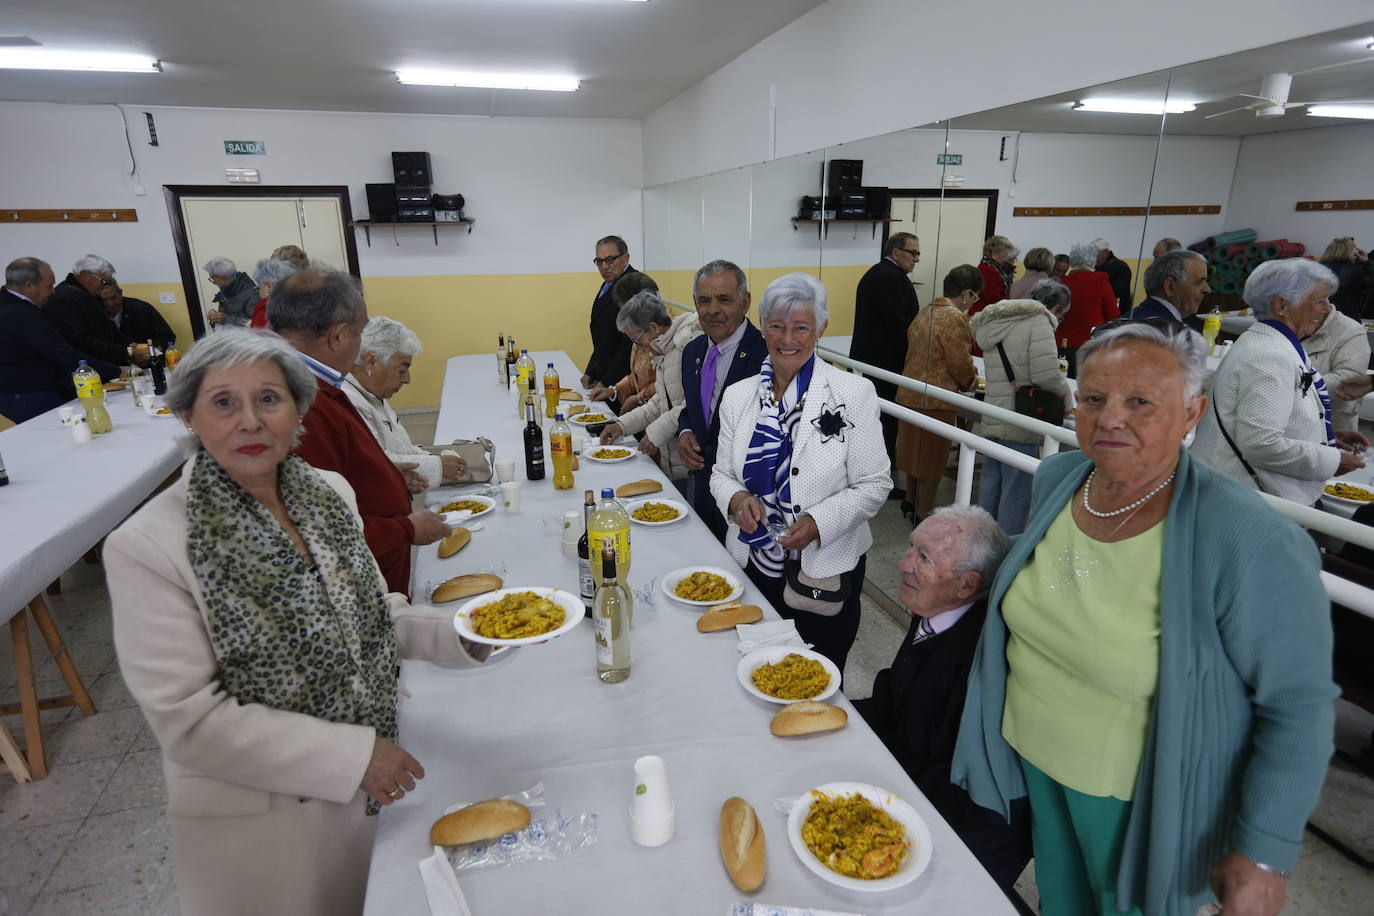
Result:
[[394, 793]]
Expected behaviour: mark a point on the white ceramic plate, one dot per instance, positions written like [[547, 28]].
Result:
[[917, 834], [671, 580], [602, 418], [773, 654], [1343, 501], [438, 505], [589, 452], [682, 511], [161, 416], [571, 605]]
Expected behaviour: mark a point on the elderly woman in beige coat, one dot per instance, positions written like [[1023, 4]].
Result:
[[1024, 328], [254, 630], [1339, 350], [645, 320]]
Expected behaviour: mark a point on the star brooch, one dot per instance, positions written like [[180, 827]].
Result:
[[832, 423]]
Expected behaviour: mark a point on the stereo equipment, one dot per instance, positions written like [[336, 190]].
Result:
[[448, 201], [413, 169], [381, 202], [879, 203], [414, 204], [844, 173]]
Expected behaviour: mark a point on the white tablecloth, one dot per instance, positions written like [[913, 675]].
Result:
[[63, 497], [541, 713]]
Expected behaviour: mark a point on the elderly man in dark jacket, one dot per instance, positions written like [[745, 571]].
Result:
[[134, 318], [81, 318], [884, 305]]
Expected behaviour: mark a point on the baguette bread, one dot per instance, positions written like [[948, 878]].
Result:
[[807, 717], [728, 616], [567, 394], [638, 488], [454, 542], [742, 846], [466, 587], [485, 820]]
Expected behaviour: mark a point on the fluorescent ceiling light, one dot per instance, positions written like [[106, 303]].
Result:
[[44, 59], [1134, 106], [468, 79], [1365, 112]]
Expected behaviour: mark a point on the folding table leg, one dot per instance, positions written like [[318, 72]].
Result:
[[28, 694], [13, 757], [43, 617]]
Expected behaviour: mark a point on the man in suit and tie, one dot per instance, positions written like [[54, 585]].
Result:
[[610, 360], [731, 349], [1175, 284], [884, 305]]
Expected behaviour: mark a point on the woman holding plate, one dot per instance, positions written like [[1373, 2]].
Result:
[[801, 468], [255, 632]]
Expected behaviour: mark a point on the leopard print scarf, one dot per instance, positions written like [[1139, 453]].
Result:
[[309, 637]]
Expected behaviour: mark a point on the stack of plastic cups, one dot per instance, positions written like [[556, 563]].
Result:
[[572, 533], [653, 816]]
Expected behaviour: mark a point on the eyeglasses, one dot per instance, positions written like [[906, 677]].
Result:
[[607, 262], [639, 337], [914, 253]]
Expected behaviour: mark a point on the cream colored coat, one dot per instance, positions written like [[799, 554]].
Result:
[[392, 436], [267, 815], [1339, 350], [1025, 328], [657, 418]]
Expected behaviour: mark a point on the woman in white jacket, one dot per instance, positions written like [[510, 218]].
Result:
[[801, 455], [384, 357], [1269, 425]]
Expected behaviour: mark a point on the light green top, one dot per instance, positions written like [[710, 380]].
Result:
[[1083, 656]]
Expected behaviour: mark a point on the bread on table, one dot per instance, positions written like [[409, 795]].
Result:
[[742, 846], [454, 542], [466, 587], [485, 820], [728, 616], [638, 488], [807, 717]]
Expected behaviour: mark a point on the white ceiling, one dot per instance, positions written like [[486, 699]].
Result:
[[342, 54], [1213, 85]]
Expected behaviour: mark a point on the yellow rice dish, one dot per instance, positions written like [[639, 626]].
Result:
[[796, 677], [703, 586], [610, 454], [656, 512], [1349, 491], [854, 837], [589, 418], [469, 505], [517, 616]]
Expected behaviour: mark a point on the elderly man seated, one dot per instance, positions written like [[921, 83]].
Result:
[[135, 319], [383, 368], [236, 297], [917, 703], [81, 317]]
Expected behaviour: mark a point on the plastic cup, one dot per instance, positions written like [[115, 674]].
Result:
[[65, 414], [505, 470], [553, 525], [577, 443], [510, 495], [653, 816]]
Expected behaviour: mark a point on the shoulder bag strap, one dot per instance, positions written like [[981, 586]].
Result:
[[1229, 441], [1006, 364]]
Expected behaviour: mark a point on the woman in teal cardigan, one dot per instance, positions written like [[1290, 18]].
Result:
[[1155, 669]]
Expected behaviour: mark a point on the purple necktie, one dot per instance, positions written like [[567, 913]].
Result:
[[708, 381]]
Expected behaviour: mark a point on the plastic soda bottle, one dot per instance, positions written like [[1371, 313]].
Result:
[[551, 391], [91, 393], [610, 524], [1211, 327], [560, 447]]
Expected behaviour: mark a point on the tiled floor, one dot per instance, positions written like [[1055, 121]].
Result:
[[93, 836]]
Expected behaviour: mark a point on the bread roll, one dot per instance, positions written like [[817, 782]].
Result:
[[485, 820], [807, 717], [454, 542], [638, 488], [742, 847], [728, 616], [567, 394], [465, 587]]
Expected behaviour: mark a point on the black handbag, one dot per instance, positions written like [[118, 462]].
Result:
[[1032, 400]]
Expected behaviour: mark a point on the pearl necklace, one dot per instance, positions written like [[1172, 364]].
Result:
[[1087, 489]]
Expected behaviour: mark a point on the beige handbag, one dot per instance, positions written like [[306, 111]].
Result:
[[479, 453]]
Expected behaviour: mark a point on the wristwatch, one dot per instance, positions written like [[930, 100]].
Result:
[[1269, 869]]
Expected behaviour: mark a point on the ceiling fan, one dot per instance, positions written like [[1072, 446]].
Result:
[[1272, 102]]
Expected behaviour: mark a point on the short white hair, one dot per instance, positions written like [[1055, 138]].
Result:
[[1290, 279], [93, 263], [271, 270], [1083, 254], [791, 293], [985, 543], [221, 267], [385, 337], [1186, 345]]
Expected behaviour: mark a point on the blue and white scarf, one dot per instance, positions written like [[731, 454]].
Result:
[[1311, 378], [768, 464]]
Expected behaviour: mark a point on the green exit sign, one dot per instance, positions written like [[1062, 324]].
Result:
[[949, 159], [245, 148]]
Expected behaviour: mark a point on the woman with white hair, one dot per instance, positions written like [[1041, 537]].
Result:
[[997, 267], [236, 297], [384, 357], [267, 275], [800, 469], [1091, 302], [1269, 425]]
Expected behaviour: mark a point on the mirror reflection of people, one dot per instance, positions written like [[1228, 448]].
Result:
[[610, 359], [236, 297], [638, 384], [801, 452], [998, 267], [1117, 271], [1154, 672], [885, 304], [256, 633], [292, 254], [1270, 425], [1354, 276], [1093, 302], [268, 273]]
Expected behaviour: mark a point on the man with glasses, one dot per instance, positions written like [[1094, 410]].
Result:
[[610, 360], [884, 305], [81, 319]]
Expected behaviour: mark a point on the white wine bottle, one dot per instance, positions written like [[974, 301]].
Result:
[[611, 619]]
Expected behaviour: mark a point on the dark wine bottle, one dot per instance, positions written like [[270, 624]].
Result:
[[534, 443], [586, 585]]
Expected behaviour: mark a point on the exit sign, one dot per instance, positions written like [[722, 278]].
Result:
[[949, 159], [245, 148]]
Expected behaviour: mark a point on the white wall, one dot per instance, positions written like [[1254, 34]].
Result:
[[542, 190], [1275, 171], [834, 69]]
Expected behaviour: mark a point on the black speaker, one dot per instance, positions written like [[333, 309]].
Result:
[[844, 173], [412, 169], [879, 203], [381, 202], [448, 201]]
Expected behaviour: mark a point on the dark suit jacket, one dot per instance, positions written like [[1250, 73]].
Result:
[[33, 355], [915, 709], [82, 321], [748, 360], [610, 360], [884, 305], [1119, 273], [142, 322], [1153, 307]]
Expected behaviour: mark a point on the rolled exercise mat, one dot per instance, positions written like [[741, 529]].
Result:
[[1203, 247], [1289, 249], [1234, 237], [1233, 251], [1228, 287]]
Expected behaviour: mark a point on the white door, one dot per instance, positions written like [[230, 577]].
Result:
[[246, 229], [951, 231]]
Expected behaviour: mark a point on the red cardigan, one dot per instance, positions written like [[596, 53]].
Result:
[[337, 439], [1092, 301]]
